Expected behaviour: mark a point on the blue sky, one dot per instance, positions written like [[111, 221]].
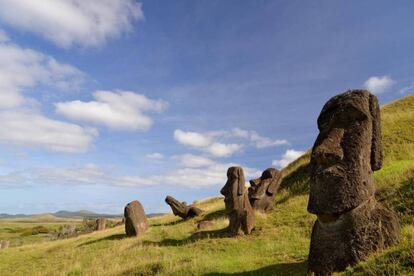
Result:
[[105, 102]]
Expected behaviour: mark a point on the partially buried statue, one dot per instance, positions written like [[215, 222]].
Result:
[[262, 190], [181, 209], [238, 208], [136, 222], [350, 223]]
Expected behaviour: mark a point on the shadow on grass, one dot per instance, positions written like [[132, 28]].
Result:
[[213, 234], [299, 268], [108, 238], [215, 215], [175, 222]]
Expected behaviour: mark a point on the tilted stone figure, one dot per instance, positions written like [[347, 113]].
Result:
[[238, 208], [262, 190], [350, 223], [181, 209], [136, 222]]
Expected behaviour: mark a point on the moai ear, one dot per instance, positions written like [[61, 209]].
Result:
[[241, 181], [376, 144]]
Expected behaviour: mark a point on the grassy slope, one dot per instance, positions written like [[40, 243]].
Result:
[[278, 247]]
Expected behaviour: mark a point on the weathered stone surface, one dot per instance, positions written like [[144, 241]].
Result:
[[238, 208], [351, 224], [181, 209], [4, 244], [262, 190], [204, 224], [136, 222], [100, 224]]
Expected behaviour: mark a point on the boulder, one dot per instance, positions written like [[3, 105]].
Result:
[[136, 222]]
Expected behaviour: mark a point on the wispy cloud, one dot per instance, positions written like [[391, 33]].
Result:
[[72, 22], [379, 84], [212, 142], [407, 89], [155, 155], [22, 123], [289, 156], [121, 110]]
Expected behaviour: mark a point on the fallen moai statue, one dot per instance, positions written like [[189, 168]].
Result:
[[350, 223], [181, 209]]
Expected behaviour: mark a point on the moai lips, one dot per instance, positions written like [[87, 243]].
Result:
[[238, 208], [351, 224]]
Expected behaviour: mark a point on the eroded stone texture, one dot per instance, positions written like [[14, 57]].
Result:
[[238, 208], [136, 222], [4, 244], [351, 224], [262, 190], [181, 209], [100, 224]]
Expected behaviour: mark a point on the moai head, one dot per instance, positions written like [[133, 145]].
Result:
[[233, 190], [266, 185], [177, 207], [345, 154]]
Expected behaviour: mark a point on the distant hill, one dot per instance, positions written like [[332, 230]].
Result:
[[69, 215]]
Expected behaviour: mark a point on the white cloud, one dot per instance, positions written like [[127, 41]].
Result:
[[155, 155], [257, 140], [91, 174], [121, 110], [20, 71], [193, 139], [407, 89], [72, 22], [289, 156], [223, 150], [378, 85], [25, 127], [193, 161], [205, 142], [213, 175]]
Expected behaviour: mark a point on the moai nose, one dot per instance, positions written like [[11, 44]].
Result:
[[329, 151]]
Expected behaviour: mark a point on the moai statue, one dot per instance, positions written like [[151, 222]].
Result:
[[100, 224], [181, 209], [136, 222], [238, 208], [262, 190], [350, 223]]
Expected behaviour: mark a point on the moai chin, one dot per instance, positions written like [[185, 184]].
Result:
[[350, 223], [181, 209], [262, 190], [238, 208]]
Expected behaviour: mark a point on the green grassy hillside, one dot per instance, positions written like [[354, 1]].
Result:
[[279, 246]]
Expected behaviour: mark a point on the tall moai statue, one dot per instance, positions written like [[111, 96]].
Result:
[[136, 222], [238, 208], [350, 223], [262, 190]]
